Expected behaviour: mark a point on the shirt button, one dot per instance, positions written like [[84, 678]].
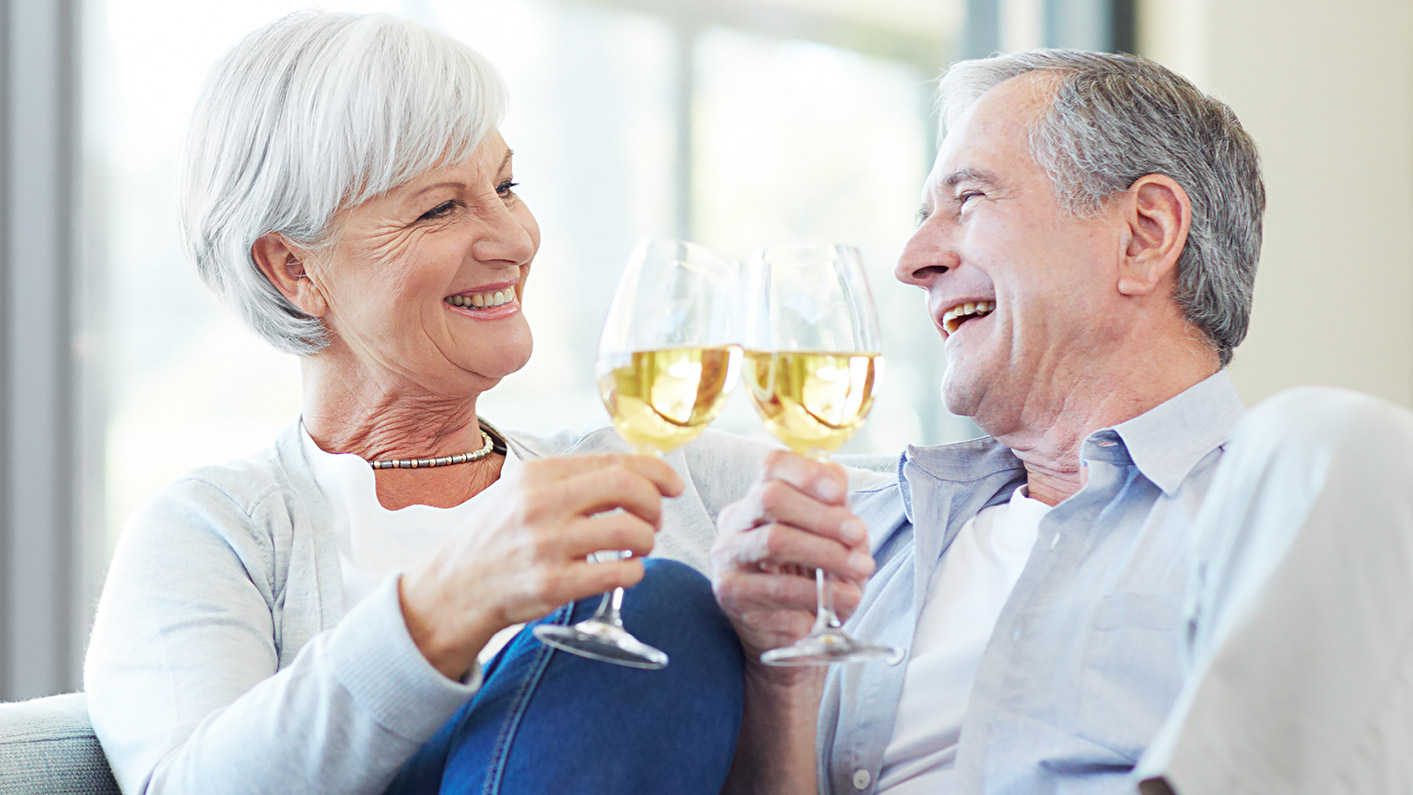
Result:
[[861, 779], [1055, 540]]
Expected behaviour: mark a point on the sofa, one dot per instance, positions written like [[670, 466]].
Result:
[[47, 747]]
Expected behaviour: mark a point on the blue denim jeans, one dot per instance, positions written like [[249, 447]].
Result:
[[545, 721]]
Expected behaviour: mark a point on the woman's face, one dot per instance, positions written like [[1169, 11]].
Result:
[[423, 285]]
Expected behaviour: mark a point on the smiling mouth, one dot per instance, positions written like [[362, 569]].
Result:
[[487, 300], [953, 318]]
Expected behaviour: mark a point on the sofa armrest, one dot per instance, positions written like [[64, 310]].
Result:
[[47, 746]]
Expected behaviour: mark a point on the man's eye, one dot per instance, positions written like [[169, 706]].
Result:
[[440, 211], [506, 189], [967, 195]]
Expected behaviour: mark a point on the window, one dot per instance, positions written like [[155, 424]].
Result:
[[715, 121], [628, 119]]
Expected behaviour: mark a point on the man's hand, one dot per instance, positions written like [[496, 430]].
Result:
[[794, 520]]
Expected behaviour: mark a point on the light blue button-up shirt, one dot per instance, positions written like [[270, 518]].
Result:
[[1086, 656]]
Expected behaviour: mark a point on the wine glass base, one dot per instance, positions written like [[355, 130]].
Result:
[[829, 647], [602, 641]]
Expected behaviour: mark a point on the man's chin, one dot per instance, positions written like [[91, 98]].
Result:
[[959, 395]]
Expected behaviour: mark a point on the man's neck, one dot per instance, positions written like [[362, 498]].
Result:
[[1048, 435]]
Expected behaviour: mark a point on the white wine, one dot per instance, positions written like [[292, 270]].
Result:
[[663, 399], [811, 401]]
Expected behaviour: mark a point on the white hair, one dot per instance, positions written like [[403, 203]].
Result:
[[1115, 118], [312, 113]]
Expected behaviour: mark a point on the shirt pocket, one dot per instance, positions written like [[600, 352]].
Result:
[[1132, 670]]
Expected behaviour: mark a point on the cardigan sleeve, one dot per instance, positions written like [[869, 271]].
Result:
[[183, 677]]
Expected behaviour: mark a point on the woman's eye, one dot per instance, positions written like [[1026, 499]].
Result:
[[440, 211], [506, 189]]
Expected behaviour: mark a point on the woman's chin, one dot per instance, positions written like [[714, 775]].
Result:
[[505, 362]]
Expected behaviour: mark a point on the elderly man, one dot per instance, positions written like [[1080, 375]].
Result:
[[1087, 242]]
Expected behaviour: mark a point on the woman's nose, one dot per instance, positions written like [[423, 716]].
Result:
[[927, 255], [507, 237]]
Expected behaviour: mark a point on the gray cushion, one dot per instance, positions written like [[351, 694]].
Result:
[[47, 746]]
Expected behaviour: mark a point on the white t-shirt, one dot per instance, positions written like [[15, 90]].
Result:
[[375, 542], [963, 601]]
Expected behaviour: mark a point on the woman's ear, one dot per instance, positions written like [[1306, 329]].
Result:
[[1159, 214], [283, 263]]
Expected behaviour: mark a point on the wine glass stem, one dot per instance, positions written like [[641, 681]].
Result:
[[609, 607], [825, 618]]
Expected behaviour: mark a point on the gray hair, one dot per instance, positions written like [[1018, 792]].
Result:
[[312, 113], [1115, 118]]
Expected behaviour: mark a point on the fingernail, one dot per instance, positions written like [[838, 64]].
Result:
[[853, 529], [860, 564], [828, 490]]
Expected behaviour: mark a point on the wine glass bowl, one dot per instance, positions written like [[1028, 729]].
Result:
[[666, 363], [812, 401], [661, 399], [812, 364]]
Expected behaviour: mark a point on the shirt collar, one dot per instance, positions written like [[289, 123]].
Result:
[[1167, 441], [961, 462]]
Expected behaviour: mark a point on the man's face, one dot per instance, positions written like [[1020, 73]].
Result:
[[1022, 291]]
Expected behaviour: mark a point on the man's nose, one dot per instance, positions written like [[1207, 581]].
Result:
[[927, 255]]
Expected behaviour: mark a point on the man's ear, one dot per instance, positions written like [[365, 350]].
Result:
[[283, 263], [1159, 214]]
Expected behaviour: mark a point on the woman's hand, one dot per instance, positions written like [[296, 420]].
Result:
[[794, 519], [527, 553]]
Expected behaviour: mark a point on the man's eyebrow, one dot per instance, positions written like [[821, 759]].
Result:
[[969, 175]]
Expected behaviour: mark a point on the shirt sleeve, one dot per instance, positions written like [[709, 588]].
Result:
[[183, 678]]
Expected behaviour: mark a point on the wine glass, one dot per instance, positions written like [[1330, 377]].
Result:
[[812, 362], [666, 363]]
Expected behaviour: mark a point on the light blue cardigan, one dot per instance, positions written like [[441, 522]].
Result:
[[222, 659]]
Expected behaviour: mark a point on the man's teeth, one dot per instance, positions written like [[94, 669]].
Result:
[[954, 317], [482, 300]]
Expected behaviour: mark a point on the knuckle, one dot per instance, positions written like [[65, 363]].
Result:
[[612, 461], [846, 597], [543, 582], [727, 521], [773, 496], [774, 460], [774, 541], [627, 574], [536, 471], [619, 480], [636, 535], [543, 548]]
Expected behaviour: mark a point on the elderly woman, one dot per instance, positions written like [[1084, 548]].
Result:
[[318, 618]]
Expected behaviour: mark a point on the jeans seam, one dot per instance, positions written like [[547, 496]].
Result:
[[501, 752]]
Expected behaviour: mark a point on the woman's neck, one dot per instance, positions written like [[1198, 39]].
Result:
[[379, 419]]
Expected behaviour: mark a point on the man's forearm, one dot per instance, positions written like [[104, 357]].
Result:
[[775, 754]]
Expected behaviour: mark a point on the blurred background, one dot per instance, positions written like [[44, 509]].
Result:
[[737, 123]]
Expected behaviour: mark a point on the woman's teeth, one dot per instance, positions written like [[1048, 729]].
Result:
[[482, 300], [954, 317]]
